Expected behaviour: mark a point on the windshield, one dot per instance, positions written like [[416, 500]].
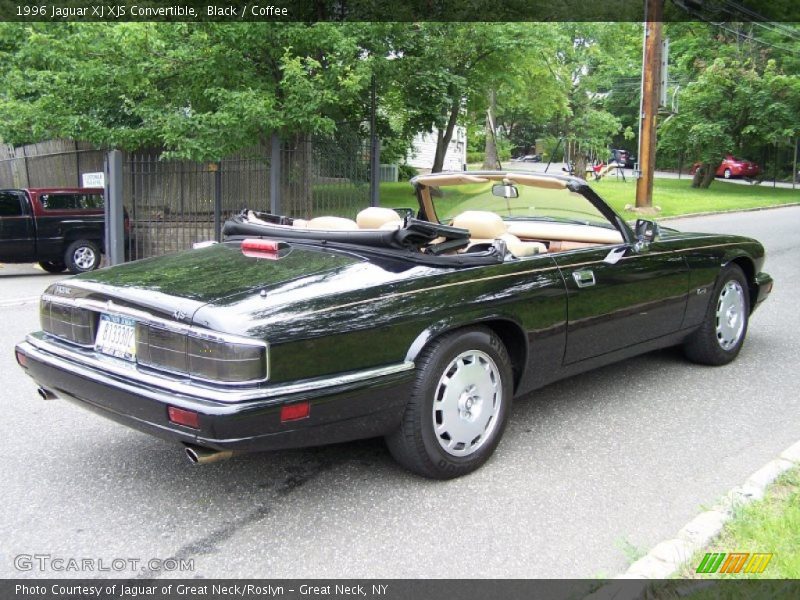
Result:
[[533, 203]]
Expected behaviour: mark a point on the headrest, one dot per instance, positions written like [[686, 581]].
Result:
[[481, 224], [375, 217], [331, 223]]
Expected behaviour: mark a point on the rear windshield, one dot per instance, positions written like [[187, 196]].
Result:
[[67, 201]]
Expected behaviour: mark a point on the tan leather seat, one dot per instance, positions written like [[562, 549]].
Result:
[[484, 227], [377, 217], [332, 223]]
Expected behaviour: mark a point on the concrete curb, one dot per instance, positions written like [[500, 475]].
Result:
[[669, 556], [711, 213]]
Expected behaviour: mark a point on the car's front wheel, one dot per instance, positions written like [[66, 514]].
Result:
[[458, 407], [82, 256], [719, 339], [727, 174]]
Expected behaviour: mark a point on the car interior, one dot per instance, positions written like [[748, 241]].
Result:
[[524, 214]]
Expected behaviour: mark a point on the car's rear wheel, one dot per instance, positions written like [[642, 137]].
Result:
[[720, 337], [727, 173], [458, 407], [52, 266], [82, 256]]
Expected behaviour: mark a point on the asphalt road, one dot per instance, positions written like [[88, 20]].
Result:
[[590, 471]]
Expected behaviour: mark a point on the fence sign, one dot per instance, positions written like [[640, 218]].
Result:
[[93, 180]]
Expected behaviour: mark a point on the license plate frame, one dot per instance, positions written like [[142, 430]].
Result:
[[116, 336]]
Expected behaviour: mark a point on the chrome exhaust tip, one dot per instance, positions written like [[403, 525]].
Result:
[[201, 456], [46, 394]]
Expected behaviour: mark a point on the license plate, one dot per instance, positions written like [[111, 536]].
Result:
[[116, 337]]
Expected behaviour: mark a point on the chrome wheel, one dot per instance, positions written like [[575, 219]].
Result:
[[466, 403], [84, 257], [730, 315]]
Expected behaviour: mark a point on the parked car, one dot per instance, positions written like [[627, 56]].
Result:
[[60, 228], [295, 333], [530, 158], [733, 167], [622, 157]]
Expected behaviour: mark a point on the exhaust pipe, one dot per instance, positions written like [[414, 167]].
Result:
[[202, 456], [46, 394]]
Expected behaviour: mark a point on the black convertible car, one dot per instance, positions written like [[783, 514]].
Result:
[[420, 325]]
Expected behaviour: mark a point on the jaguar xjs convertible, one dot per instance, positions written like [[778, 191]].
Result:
[[419, 324]]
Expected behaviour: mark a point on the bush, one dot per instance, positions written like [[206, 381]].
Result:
[[406, 172], [475, 157]]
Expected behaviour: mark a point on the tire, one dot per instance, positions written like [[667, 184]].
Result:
[[82, 256], [727, 174], [450, 428], [721, 336], [52, 266]]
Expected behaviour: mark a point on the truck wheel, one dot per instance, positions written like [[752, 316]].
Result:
[[458, 407], [82, 256], [52, 266]]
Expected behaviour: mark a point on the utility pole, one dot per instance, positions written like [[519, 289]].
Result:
[[651, 79]]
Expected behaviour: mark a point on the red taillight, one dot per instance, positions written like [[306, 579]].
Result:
[[295, 412], [187, 418], [261, 245], [22, 360], [257, 248]]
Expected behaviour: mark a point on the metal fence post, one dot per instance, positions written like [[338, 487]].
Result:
[[374, 152], [275, 175], [218, 202], [114, 210]]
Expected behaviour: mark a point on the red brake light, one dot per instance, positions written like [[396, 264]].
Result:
[[258, 248], [22, 359], [261, 245], [295, 412], [187, 418]]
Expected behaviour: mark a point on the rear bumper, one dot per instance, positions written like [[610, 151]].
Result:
[[764, 284], [369, 407]]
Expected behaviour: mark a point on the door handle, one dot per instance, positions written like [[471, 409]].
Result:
[[583, 278]]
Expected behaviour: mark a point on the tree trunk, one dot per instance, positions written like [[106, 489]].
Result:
[[708, 176], [443, 138], [490, 158], [580, 164], [697, 178]]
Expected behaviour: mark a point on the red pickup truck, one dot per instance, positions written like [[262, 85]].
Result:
[[60, 228]]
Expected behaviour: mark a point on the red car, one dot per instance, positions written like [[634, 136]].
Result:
[[734, 167]]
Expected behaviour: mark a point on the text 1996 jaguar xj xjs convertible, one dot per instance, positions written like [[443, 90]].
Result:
[[418, 325]]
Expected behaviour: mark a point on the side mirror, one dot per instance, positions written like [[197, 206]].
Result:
[[646, 231], [505, 190]]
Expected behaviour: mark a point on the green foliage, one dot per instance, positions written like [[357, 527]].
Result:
[[406, 172]]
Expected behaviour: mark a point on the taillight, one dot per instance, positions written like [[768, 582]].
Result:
[[71, 323], [258, 248]]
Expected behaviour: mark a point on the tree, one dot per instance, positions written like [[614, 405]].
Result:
[[444, 69], [200, 90]]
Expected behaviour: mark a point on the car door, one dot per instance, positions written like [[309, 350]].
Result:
[[618, 296], [17, 237]]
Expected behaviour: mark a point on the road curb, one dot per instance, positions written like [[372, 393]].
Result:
[[669, 556]]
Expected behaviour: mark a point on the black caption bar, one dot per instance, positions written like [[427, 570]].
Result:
[[391, 10], [390, 589]]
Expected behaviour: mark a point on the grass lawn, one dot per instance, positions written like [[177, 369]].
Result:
[[674, 196], [771, 526], [677, 197]]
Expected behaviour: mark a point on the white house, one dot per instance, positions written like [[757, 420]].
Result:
[[423, 151]]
